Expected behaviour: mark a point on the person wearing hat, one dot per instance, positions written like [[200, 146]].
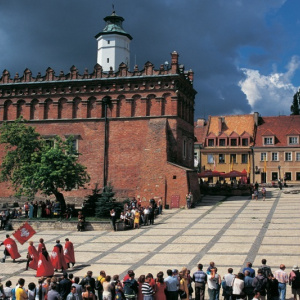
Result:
[[294, 281]]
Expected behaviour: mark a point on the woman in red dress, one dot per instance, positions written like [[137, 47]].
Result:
[[160, 287]]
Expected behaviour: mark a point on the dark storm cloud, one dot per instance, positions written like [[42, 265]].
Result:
[[207, 34]]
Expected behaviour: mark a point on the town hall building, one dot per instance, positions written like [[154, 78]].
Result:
[[134, 128]]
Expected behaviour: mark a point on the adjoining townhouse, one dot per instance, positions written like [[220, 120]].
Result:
[[228, 143], [277, 149]]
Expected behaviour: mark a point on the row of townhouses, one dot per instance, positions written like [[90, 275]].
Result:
[[267, 149]]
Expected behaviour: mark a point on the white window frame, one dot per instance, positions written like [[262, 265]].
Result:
[[277, 156], [268, 140], [297, 156], [263, 156], [296, 140], [285, 156]]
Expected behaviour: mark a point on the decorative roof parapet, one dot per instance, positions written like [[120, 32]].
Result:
[[98, 73]]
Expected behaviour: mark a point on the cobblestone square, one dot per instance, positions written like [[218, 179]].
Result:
[[229, 232]]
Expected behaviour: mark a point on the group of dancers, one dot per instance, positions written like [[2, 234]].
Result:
[[39, 259]]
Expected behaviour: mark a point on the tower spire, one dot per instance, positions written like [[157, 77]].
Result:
[[113, 43]]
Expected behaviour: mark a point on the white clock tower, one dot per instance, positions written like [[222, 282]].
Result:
[[113, 44]]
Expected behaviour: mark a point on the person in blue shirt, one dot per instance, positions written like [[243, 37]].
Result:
[[249, 268]]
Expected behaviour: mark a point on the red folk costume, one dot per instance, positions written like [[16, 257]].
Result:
[[44, 267], [32, 252], [69, 252], [11, 248], [40, 247], [57, 258]]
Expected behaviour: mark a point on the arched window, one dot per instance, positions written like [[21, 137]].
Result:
[[7, 110], [76, 112], [20, 108], [62, 108], [91, 108], [34, 106], [48, 109]]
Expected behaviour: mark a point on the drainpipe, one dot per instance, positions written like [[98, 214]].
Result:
[[106, 103], [253, 168]]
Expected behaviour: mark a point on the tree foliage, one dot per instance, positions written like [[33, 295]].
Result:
[[295, 108], [32, 165], [100, 203]]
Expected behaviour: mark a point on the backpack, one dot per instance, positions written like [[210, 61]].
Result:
[[98, 286], [266, 271], [260, 285]]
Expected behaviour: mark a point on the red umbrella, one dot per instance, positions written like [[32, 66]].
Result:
[[234, 173], [210, 173]]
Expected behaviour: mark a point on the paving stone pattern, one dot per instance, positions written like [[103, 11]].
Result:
[[229, 232]]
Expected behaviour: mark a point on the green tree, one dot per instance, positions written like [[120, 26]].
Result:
[[296, 103], [32, 165]]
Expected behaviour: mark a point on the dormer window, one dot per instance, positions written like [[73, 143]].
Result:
[[268, 141], [233, 142], [211, 142], [293, 140], [245, 142], [222, 142]]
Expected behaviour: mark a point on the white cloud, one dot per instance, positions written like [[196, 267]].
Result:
[[270, 94]]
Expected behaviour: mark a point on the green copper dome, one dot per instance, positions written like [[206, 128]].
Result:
[[114, 25]]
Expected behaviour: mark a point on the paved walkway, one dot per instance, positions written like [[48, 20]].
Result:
[[230, 233]]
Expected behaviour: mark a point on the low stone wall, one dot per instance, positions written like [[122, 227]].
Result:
[[61, 225]]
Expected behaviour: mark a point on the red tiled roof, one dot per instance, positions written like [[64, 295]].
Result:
[[280, 126], [200, 133]]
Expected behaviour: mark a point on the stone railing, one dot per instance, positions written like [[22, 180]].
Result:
[[55, 224]]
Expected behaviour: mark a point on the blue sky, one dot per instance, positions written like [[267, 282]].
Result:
[[245, 54]]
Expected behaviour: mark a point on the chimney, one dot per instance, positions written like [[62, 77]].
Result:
[[220, 123], [174, 63], [200, 122], [256, 115]]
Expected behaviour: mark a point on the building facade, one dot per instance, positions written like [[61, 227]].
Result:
[[227, 144], [134, 129], [277, 150]]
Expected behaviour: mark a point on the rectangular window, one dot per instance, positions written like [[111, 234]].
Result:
[[222, 142], [288, 176], [268, 141], [263, 156], [288, 156], [244, 158], [274, 176], [298, 176], [233, 142], [49, 142], [210, 158], [211, 142], [274, 156], [298, 156], [221, 158], [293, 140], [107, 60], [245, 142], [233, 158], [108, 42], [75, 145]]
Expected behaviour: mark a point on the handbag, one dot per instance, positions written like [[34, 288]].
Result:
[[182, 294], [191, 290]]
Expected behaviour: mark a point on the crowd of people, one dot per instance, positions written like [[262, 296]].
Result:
[[135, 215], [248, 284], [34, 209]]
